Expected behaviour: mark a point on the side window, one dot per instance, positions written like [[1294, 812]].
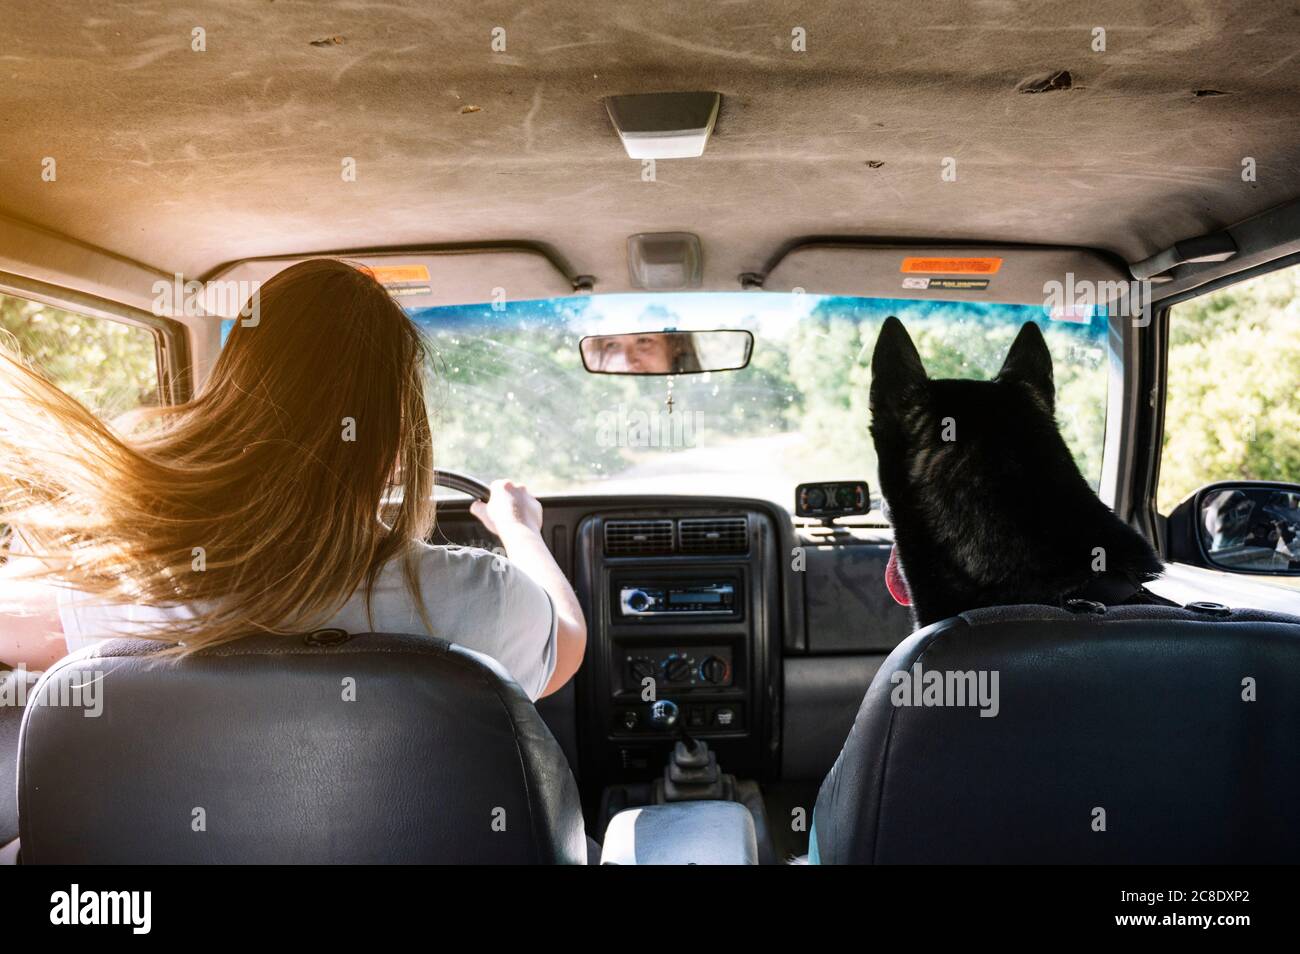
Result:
[[1233, 406], [110, 366]]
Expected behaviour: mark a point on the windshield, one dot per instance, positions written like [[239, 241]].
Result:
[[510, 397]]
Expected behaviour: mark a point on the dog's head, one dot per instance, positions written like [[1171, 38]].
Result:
[[987, 503]]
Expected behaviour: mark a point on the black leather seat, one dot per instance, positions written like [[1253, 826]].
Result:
[[251, 752], [1138, 712], [13, 687]]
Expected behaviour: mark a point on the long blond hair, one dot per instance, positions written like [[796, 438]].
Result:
[[261, 501]]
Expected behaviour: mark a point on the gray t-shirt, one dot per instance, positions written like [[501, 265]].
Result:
[[474, 598]]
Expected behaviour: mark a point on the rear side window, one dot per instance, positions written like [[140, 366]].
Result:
[[1233, 405], [110, 366]]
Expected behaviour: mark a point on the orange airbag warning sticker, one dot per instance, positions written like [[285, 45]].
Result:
[[399, 274], [951, 266]]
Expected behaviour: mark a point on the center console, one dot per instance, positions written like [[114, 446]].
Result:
[[678, 700], [656, 659], [683, 604], [689, 833]]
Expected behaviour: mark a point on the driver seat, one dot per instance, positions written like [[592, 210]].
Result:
[[316, 748]]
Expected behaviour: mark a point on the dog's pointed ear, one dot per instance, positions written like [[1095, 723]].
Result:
[[895, 364], [1030, 363]]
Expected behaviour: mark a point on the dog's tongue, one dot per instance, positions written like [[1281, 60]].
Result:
[[894, 581]]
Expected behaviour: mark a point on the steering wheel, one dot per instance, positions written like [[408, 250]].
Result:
[[463, 483]]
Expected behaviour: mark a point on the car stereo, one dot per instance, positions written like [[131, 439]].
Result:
[[691, 598]]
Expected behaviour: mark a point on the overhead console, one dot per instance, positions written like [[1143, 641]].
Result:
[[683, 604]]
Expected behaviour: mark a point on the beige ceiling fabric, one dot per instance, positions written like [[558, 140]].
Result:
[[185, 160]]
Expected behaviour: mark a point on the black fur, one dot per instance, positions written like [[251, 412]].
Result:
[[999, 514]]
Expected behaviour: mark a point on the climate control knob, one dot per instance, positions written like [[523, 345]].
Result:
[[714, 670], [677, 668], [642, 669]]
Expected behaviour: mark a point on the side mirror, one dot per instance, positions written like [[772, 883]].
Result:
[[667, 352], [1239, 526]]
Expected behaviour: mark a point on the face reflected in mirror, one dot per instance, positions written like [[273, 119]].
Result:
[[1255, 529], [650, 353], [666, 352]]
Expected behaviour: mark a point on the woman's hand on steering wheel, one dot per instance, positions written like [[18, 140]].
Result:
[[509, 505]]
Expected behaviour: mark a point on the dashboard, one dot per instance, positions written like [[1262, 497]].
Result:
[[716, 616]]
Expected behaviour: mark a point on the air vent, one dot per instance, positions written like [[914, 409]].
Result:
[[714, 535], [638, 537]]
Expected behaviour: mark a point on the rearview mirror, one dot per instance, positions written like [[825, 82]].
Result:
[[667, 352], [1240, 526]]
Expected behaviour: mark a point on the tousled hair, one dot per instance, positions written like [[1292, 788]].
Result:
[[303, 467]]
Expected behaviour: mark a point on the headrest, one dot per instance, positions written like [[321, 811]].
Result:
[[317, 748]]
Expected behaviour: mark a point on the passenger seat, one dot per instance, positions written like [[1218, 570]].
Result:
[[1137, 734]]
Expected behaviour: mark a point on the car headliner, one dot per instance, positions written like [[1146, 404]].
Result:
[[188, 161]]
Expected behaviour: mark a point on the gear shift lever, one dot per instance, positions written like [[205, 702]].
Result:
[[692, 770], [664, 715]]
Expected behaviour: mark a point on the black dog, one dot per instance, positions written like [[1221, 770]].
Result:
[[988, 506]]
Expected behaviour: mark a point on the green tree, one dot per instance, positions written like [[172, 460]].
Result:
[[109, 366], [831, 357], [1234, 375]]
